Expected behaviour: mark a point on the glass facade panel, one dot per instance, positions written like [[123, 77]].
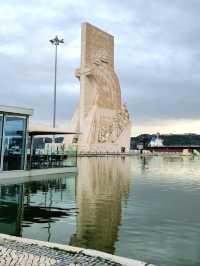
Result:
[[14, 141], [1, 129]]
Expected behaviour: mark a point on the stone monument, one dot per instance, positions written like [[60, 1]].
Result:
[[101, 118]]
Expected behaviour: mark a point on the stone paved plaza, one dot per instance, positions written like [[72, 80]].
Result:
[[15, 253]]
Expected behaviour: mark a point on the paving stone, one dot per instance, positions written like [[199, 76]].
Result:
[[25, 254]]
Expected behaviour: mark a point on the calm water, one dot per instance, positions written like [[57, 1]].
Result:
[[143, 208]]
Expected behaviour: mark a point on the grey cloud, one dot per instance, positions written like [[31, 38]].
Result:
[[157, 55]]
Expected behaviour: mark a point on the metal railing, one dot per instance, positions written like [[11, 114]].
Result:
[[51, 161]]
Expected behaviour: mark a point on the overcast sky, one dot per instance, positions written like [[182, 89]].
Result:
[[157, 58]]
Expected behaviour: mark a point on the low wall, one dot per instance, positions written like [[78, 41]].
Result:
[[28, 175]]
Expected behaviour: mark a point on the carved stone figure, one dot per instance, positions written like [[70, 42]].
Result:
[[101, 118]]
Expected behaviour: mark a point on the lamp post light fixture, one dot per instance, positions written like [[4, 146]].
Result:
[[56, 41]]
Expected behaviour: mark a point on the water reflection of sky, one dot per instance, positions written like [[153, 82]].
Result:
[[143, 208], [161, 220]]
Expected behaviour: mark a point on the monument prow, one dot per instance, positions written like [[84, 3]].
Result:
[[102, 118]]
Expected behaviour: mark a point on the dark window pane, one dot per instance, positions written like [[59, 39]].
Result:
[[14, 143]]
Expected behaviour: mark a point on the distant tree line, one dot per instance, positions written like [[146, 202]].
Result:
[[168, 140]]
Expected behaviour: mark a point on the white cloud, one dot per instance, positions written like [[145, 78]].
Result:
[[12, 49]]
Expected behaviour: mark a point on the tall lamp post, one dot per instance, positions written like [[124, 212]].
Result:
[[55, 42]]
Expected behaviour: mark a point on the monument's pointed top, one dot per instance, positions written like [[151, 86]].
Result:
[[87, 24]]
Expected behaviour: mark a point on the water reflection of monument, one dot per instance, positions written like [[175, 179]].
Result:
[[47, 209], [101, 190]]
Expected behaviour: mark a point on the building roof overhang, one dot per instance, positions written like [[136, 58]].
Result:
[[44, 130], [16, 110]]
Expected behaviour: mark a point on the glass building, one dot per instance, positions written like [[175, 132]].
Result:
[[13, 137]]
